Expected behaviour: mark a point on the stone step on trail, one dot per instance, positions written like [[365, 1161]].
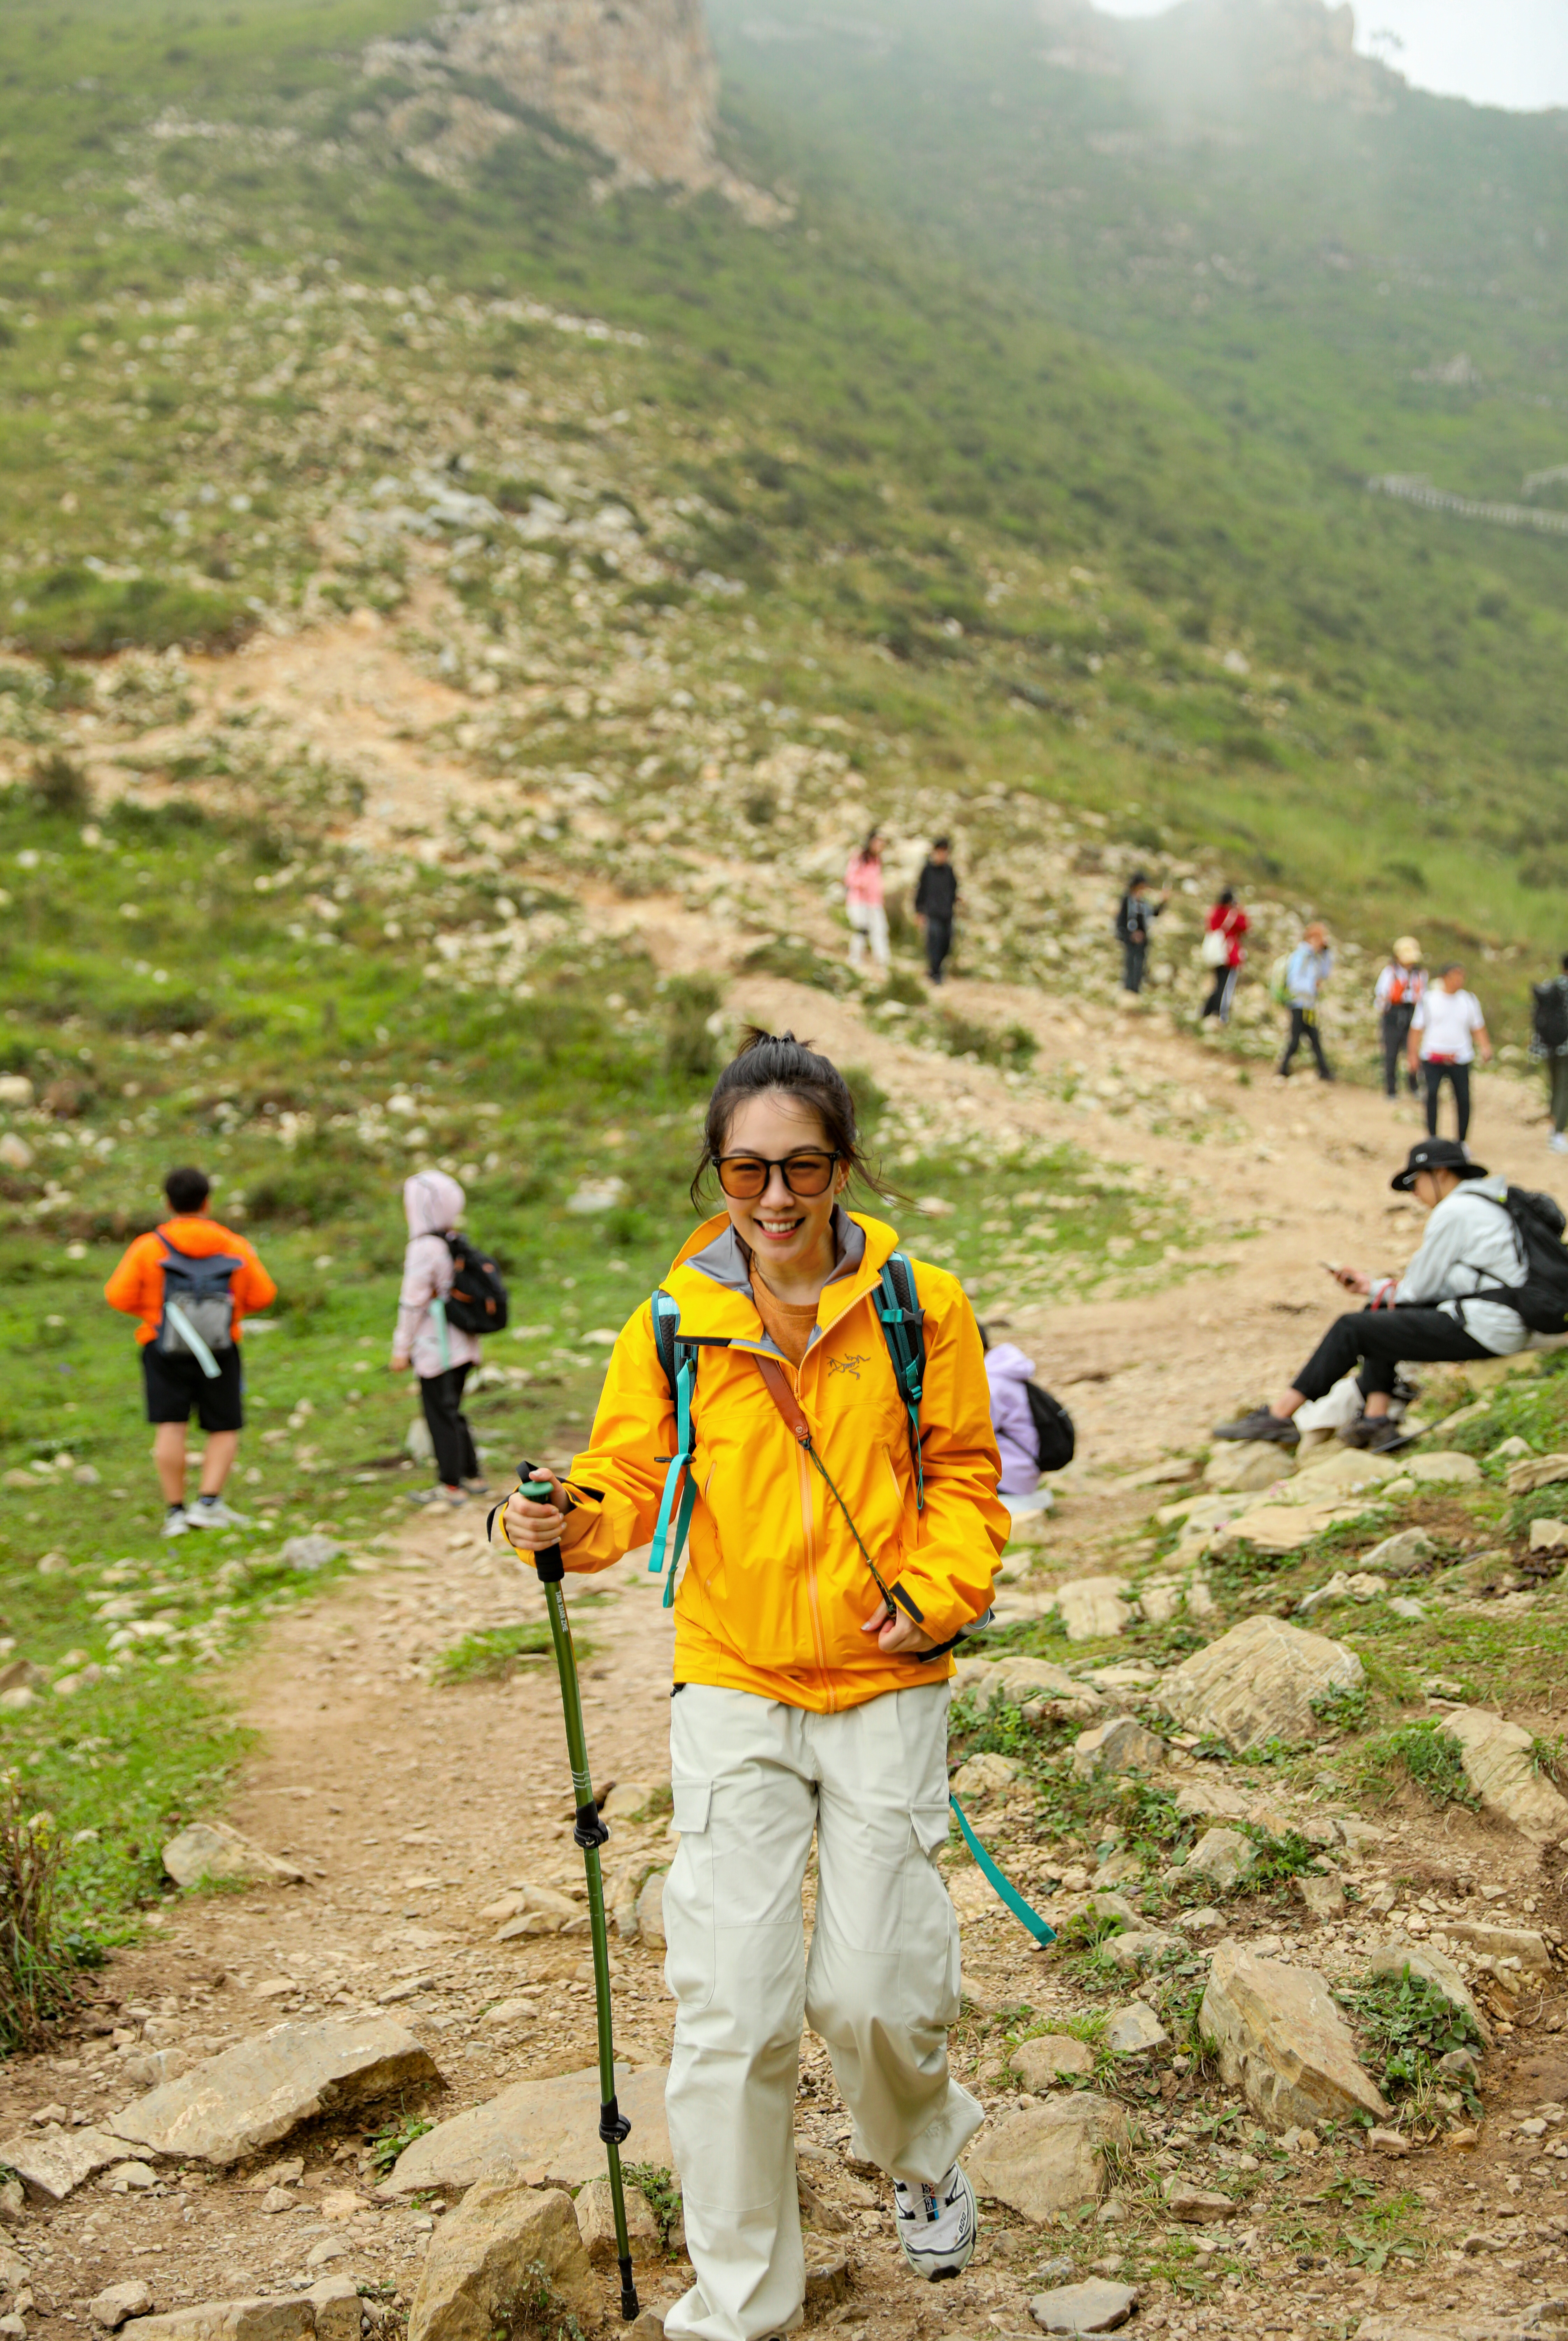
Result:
[[547, 2129], [262, 2088]]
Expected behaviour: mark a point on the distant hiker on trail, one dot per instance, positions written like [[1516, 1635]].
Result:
[[1549, 1046], [1473, 1245], [936, 905], [1306, 971], [1034, 1432], [440, 1352], [824, 1588], [1445, 1033], [1222, 952], [191, 1281], [864, 905], [1136, 914], [1401, 988]]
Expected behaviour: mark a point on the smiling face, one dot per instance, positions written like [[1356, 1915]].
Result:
[[1454, 979], [791, 1234]]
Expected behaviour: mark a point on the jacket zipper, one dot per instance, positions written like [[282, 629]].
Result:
[[808, 1528]]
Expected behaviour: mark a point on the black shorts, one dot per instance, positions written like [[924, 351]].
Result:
[[176, 1384]]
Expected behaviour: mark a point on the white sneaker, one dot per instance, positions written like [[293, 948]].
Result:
[[214, 1515], [175, 1520], [937, 2225]]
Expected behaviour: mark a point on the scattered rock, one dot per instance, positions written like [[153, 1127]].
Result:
[[1140, 1947], [1222, 1855], [1499, 1766], [1135, 2030], [261, 2088], [1404, 1555], [1258, 1681], [54, 2161], [1549, 1536], [650, 1909], [1051, 2057], [1122, 1745], [1321, 1895], [1387, 2141], [826, 2275], [1344, 1472], [214, 1849], [546, 2126], [543, 1910], [111, 2307], [1240, 1466], [628, 1799], [310, 1552], [128, 2178], [1049, 2157], [816, 2211], [596, 2223], [1096, 2307], [1195, 2205], [330, 2311], [985, 1776], [483, 2256], [1520, 1943], [1399, 1956], [1092, 1608], [1103, 1904], [1442, 1470], [1283, 2041], [1539, 1471]]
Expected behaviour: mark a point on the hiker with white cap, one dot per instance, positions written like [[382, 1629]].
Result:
[[1401, 988], [1445, 1031], [427, 1338], [1476, 1245]]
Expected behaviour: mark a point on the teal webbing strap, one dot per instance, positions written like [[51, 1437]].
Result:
[[1001, 1885], [670, 1535], [906, 1359]]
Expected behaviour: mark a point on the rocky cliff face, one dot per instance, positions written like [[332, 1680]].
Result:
[[637, 78]]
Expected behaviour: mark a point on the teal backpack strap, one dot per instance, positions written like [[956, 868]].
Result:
[[678, 1361], [1000, 1885], [904, 1331]]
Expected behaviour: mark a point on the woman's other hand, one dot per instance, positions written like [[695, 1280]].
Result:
[[895, 1633]]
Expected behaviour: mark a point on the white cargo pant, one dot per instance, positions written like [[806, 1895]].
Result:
[[751, 1778]]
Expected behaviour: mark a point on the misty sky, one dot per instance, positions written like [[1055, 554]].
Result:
[[1512, 53]]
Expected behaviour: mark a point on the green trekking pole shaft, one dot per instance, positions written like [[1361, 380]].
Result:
[[590, 1834]]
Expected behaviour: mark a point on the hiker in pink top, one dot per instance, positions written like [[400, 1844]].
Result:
[[441, 1354], [863, 901]]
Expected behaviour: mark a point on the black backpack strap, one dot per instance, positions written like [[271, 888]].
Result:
[[903, 1325]]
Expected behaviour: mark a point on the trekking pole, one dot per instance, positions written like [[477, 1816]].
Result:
[[590, 1833]]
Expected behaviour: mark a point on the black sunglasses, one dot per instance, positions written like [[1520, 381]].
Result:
[[744, 1177]]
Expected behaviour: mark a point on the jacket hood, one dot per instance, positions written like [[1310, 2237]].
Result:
[[432, 1202], [1007, 1363]]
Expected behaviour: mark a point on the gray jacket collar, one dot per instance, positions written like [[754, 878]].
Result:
[[728, 1261]]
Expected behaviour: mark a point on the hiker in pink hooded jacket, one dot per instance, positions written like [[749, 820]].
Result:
[[441, 1354], [1008, 1369]]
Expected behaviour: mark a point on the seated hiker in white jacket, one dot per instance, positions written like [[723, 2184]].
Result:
[[1471, 1246]]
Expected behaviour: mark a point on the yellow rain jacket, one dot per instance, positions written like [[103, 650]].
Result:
[[775, 1592]]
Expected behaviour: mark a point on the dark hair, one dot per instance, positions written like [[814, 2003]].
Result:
[[1227, 895], [1566, 963], [941, 845], [872, 834], [1139, 878], [778, 1061], [1450, 967], [187, 1190]]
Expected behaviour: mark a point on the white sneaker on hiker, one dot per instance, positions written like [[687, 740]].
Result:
[[175, 1522], [212, 1513], [937, 2225]]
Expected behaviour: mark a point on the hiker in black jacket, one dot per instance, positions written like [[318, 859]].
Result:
[[1136, 914], [936, 901]]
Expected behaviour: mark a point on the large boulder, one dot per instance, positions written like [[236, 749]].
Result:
[[213, 1849], [1258, 1682], [259, 2090], [487, 2257], [1283, 2041], [547, 2129], [1050, 2157], [1499, 1760]]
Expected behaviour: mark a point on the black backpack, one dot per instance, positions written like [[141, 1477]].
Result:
[[1121, 926], [477, 1302], [197, 1319], [1542, 1301], [1054, 1437], [1549, 1013]]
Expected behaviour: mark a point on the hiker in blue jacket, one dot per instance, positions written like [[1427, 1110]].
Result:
[[1308, 970]]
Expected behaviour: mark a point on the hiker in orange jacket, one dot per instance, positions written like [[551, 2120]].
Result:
[[191, 1281], [814, 1620]]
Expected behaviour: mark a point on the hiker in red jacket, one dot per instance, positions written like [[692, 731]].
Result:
[[191, 1281], [1226, 924]]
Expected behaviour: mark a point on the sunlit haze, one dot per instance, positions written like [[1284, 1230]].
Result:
[[1510, 53]]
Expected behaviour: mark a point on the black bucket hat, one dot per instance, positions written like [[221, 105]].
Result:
[[1436, 1154]]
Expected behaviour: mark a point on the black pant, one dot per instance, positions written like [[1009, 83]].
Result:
[[1384, 1339], [1396, 1037], [938, 943], [1458, 1080], [441, 1395], [1304, 1027], [1219, 1000], [1135, 951]]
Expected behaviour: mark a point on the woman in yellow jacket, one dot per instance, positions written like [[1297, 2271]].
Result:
[[803, 1699]]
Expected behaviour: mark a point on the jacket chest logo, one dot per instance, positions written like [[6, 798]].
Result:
[[850, 1365]]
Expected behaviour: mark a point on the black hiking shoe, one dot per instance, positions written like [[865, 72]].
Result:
[[1261, 1424]]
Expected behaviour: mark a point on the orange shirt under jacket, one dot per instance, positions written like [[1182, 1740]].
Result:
[[137, 1284], [774, 1591]]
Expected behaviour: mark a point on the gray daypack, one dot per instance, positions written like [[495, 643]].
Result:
[[198, 1313]]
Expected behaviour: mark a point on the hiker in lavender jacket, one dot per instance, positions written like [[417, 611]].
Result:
[[1008, 1369]]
